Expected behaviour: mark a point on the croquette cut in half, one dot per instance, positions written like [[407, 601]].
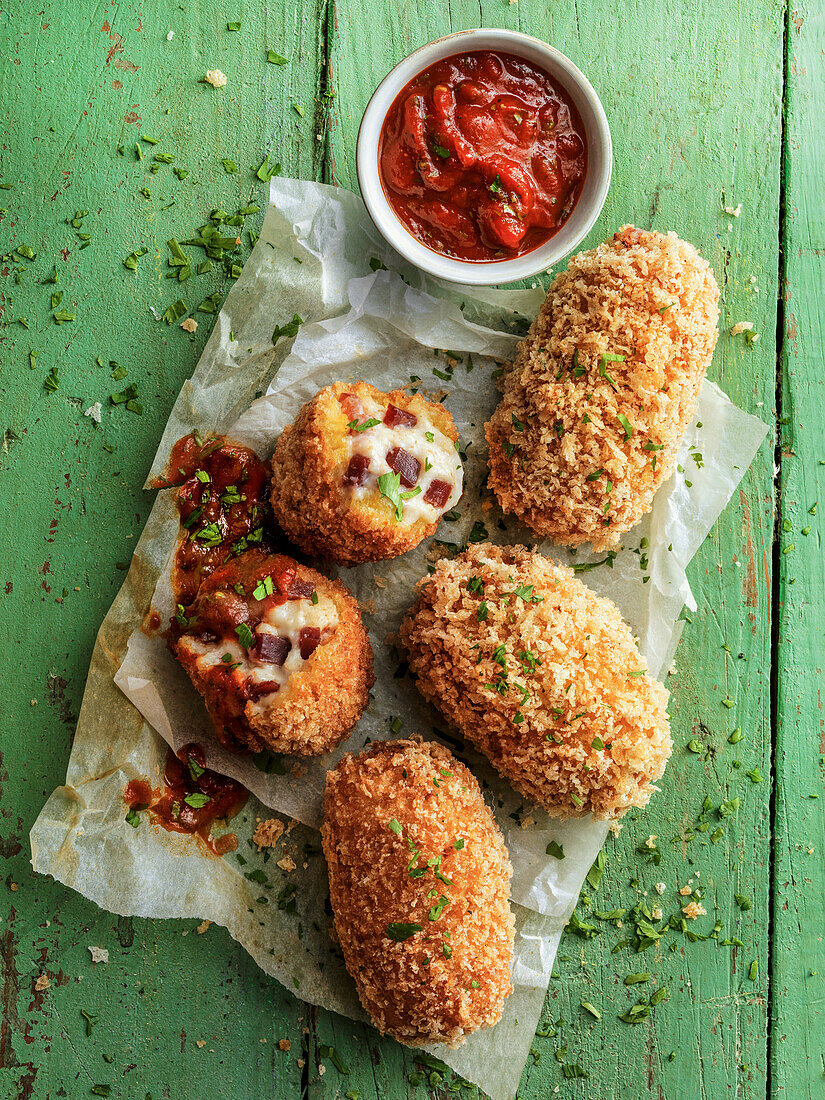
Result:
[[363, 475], [419, 881], [603, 387], [279, 654], [543, 677]]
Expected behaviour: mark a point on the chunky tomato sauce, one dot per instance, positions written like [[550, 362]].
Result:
[[192, 799], [483, 156], [221, 504]]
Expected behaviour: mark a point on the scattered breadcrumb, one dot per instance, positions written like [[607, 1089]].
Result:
[[322, 1069], [42, 983], [95, 412], [291, 824], [686, 890], [301, 1063], [380, 582], [656, 912], [200, 1043], [268, 833], [216, 78], [202, 927], [99, 954], [284, 1044], [742, 326], [189, 325], [734, 211], [693, 910], [170, 35], [14, 887], [651, 841], [659, 887], [287, 864], [367, 607]]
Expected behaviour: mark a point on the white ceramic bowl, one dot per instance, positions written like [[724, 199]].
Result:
[[593, 193]]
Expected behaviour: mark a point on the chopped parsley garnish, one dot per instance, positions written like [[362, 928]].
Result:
[[389, 486], [440, 150], [263, 588], [555, 849], [609, 357], [399, 932], [245, 636], [627, 427], [354, 426], [395, 827], [197, 800]]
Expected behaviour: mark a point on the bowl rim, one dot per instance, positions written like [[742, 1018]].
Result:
[[493, 272]]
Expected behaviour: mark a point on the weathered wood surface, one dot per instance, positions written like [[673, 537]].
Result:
[[695, 97]]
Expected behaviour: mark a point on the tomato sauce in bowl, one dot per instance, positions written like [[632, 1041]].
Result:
[[483, 156]]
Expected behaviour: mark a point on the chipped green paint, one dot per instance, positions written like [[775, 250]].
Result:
[[695, 106]]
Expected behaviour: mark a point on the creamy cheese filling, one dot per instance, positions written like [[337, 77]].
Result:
[[436, 453], [286, 620]]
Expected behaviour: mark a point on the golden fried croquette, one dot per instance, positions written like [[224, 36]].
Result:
[[419, 880], [363, 475], [602, 389], [543, 677], [279, 654]]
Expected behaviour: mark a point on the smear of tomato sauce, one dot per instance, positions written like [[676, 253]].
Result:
[[483, 156], [221, 500], [211, 797]]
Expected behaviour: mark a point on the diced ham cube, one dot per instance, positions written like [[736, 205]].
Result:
[[357, 470], [399, 418], [272, 649], [438, 493], [300, 590], [309, 640], [256, 689], [406, 465], [353, 409]]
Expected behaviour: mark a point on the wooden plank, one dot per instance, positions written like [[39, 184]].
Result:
[[684, 147], [76, 81], [798, 900]]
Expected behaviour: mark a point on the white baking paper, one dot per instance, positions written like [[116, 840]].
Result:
[[316, 257]]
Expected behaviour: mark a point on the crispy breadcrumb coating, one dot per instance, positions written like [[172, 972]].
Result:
[[309, 462], [410, 842], [320, 702], [603, 387], [543, 677]]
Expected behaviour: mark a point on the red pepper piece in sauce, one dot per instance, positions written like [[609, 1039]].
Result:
[[404, 464], [398, 418], [300, 590], [309, 640], [356, 472], [438, 493], [272, 649], [444, 117]]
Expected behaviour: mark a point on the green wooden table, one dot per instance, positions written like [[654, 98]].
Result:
[[710, 106]]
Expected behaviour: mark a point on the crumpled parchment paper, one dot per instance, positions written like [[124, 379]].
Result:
[[366, 315]]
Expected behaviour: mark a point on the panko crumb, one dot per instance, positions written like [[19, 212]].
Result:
[[659, 887], [651, 841], [287, 864], [603, 387], [99, 954], [42, 983], [587, 731], [199, 1043], [693, 910], [94, 412], [268, 833], [740, 327], [686, 890], [284, 1044], [203, 926], [322, 1069], [216, 78], [189, 325]]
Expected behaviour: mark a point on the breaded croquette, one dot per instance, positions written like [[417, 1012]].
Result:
[[543, 677], [279, 654], [362, 475], [603, 387], [419, 881]]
